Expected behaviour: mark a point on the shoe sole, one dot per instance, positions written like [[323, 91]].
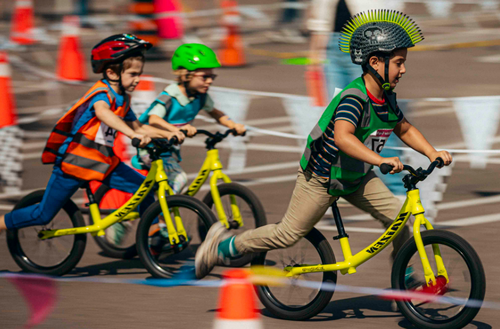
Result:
[[201, 250]]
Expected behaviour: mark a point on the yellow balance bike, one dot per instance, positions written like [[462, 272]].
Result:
[[56, 248], [234, 205], [433, 261]]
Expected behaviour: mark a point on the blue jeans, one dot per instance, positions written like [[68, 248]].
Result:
[[60, 189], [339, 69]]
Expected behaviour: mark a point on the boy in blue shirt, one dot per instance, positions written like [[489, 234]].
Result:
[[177, 106], [80, 145]]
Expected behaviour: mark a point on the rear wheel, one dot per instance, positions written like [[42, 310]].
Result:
[[466, 281], [293, 301], [55, 256], [250, 207], [160, 258]]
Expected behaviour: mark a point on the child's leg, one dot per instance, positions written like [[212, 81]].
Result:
[[377, 200], [59, 190], [126, 179], [177, 178], [310, 200]]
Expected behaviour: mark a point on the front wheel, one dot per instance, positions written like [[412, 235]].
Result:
[[160, 258], [251, 210], [55, 256], [466, 281], [295, 302]]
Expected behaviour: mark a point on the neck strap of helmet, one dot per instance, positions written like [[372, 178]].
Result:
[[119, 80], [390, 96]]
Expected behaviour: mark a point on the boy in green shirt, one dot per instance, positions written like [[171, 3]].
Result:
[[345, 144]]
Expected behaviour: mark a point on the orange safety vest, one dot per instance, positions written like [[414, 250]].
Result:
[[89, 155]]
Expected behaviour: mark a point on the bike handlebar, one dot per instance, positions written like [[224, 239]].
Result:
[[386, 168]]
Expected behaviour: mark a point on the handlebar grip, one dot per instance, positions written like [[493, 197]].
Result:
[[440, 162], [136, 142], [174, 140], [184, 131], [385, 168]]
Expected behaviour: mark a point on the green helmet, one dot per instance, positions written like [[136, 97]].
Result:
[[192, 56]]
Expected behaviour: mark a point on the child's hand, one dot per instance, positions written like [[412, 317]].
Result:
[[191, 131], [443, 155], [240, 128], [145, 140], [179, 134], [394, 162]]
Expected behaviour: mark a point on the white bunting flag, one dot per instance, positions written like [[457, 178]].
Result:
[[439, 8], [478, 118], [235, 105]]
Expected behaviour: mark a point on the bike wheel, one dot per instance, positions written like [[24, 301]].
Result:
[[251, 210], [119, 240], [55, 256], [294, 302], [465, 274], [159, 257]]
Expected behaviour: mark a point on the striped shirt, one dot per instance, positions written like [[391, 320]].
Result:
[[349, 109]]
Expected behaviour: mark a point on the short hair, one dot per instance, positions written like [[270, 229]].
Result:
[[126, 64]]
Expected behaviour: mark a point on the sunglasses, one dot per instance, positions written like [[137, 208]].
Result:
[[206, 76]]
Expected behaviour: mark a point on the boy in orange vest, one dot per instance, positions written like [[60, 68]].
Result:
[[80, 145]]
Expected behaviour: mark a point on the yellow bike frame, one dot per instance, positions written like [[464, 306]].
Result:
[[412, 206], [212, 164], [125, 212]]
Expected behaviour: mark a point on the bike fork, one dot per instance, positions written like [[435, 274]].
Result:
[[430, 278]]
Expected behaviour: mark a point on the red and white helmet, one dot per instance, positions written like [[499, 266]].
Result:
[[115, 49]]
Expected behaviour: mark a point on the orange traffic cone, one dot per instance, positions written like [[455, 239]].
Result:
[[231, 53], [143, 95], [237, 308], [22, 23], [316, 87], [8, 115], [71, 63]]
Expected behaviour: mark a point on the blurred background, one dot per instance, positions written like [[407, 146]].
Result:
[[281, 65]]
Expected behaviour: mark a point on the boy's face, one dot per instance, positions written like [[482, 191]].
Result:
[[131, 76], [201, 80], [396, 66]]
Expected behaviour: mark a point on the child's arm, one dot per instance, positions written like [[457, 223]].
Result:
[[104, 113], [348, 143], [224, 120], [156, 121], [153, 132], [412, 137]]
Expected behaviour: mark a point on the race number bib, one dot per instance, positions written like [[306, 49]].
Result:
[[105, 135], [377, 139]]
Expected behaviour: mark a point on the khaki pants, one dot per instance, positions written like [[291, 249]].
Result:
[[309, 202]]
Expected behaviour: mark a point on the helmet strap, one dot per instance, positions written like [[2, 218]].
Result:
[[186, 84], [119, 80], [386, 86], [390, 96]]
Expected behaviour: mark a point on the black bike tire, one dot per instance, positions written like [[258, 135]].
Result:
[[322, 298], [108, 248], [77, 250], [149, 262], [259, 214], [473, 262]]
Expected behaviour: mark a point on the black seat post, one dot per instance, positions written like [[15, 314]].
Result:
[[90, 195], [338, 222]]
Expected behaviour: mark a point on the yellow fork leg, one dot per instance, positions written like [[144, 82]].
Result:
[[172, 233], [429, 274]]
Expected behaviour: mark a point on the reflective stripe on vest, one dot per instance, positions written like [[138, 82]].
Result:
[[84, 158]]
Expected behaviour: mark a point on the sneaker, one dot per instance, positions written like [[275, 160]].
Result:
[[411, 281], [207, 255], [116, 233], [157, 241]]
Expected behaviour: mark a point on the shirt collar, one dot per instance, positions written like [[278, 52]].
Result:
[[118, 97], [174, 91]]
